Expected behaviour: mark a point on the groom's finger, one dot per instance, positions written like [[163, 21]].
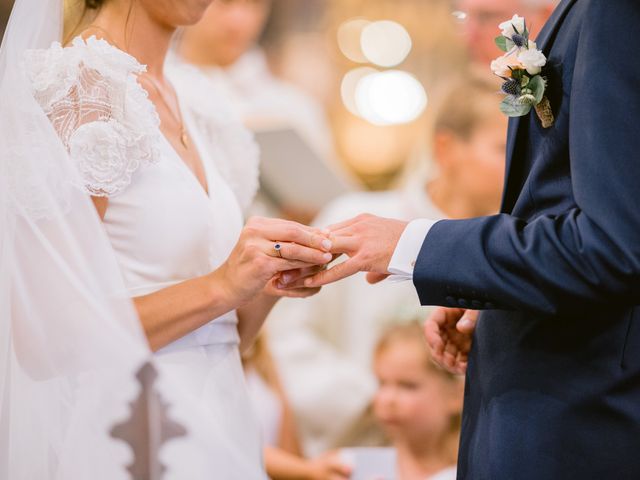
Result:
[[434, 336], [341, 225], [340, 271], [446, 317], [467, 324], [342, 244]]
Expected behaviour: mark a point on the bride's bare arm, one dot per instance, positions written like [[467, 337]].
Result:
[[173, 312], [246, 281]]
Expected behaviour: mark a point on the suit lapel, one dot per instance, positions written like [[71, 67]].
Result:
[[543, 40]]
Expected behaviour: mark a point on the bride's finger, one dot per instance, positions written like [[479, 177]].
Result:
[[281, 223], [298, 292], [289, 232], [295, 284], [302, 273], [293, 251], [283, 265]]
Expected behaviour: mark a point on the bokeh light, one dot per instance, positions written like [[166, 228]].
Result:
[[460, 16], [392, 97], [349, 39], [349, 87], [385, 43]]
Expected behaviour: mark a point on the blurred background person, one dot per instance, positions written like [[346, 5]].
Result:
[[418, 404], [324, 346], [283, 453], [225, 46], [482, 17]]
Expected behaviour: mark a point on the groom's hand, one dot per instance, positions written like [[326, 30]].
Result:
[[368, 241], [449, 333]]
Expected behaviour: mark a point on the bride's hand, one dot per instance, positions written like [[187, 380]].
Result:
[[291, 283], [255, 265]]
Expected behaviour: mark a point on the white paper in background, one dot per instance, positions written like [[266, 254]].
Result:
[[291, 173], [370, 463]]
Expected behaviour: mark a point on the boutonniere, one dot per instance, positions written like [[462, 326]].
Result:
[[520, 68]]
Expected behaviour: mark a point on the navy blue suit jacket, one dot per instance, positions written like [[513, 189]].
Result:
[[553, 384]]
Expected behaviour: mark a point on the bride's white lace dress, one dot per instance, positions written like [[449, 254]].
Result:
[[161, 223]]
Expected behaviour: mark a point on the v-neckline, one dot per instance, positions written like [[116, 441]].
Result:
[[207, 178], [205, 189]]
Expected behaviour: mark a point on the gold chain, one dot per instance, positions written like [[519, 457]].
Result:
[[184, 139], [177, 116]]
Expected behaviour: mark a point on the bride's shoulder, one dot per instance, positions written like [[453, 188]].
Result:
[[91, 59], [89, 91]]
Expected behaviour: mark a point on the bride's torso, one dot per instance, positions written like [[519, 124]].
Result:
[[164, 227]]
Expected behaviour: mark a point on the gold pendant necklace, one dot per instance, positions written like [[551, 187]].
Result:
[[184, 137], [177, 116]]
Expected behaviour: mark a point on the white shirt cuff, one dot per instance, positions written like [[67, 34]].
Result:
[[406, 253]]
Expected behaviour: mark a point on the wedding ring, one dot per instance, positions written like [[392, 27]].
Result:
[[278, 248]]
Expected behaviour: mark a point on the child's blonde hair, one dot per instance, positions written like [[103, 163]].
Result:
[[413, 332]]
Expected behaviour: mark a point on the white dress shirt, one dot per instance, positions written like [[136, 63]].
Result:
[[406, 253]]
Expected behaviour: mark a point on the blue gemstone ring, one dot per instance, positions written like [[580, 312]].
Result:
[[278, 248]]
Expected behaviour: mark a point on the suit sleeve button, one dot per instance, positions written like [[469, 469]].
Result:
[[450, 301], [476, 305], [463, 303]]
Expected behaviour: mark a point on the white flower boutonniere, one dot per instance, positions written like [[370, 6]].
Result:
[[520, 68]]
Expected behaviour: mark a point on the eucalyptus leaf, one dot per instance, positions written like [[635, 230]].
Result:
[[537, 86], [512, 108], [501, 42]]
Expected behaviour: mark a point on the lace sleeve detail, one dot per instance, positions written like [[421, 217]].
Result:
[[235, 153], [91, 95]]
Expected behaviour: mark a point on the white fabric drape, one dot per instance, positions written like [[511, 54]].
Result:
[[71, 344]]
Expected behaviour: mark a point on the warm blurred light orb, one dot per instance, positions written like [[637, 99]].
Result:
[[349, 34], [385, 43], [459, 15], [393, 97], [349, 87]]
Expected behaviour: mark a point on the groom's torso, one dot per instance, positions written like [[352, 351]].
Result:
[[552, 397]]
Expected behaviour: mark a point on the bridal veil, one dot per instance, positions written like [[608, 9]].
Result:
[[80, 397]]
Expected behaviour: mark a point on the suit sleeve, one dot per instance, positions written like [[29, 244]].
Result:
[[586, 257]]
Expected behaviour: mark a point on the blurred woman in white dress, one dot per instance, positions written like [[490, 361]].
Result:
[[168, 173]]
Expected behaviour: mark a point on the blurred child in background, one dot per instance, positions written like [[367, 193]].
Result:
[[418, 404]]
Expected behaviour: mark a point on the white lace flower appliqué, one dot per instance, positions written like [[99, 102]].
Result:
[[100, 151], [104, 118]]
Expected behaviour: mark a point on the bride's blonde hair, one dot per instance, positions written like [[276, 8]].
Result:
[[78, 14]]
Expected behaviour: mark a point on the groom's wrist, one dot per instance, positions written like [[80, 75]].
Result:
[[407, 250]]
